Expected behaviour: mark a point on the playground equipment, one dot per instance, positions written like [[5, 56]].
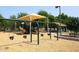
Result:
[[24, 37], [11, 37], [31, 18], [42, 35]]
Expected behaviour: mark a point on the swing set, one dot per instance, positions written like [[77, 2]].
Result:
[[31, 18]]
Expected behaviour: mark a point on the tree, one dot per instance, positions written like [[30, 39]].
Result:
[[73, 24], [21, 14], [64, 18], [1, 21], [13, 17], [1, 18], [43, 13], [51, 18]]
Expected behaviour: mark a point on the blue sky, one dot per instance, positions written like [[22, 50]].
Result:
[[7, 11]]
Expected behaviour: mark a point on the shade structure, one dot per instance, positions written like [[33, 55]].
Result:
[[31, 18], [60, 24]]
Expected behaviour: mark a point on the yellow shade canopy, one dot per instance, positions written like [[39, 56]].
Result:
[[31, 17]]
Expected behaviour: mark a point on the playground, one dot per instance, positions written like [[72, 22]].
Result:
[[42, 40], [46, 44], [38, 33]]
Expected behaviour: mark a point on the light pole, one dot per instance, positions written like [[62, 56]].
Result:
[[59, 16]]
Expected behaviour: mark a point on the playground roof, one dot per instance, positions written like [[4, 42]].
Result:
[[31, 17], [59, 24]]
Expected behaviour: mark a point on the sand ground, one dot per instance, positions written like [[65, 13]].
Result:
[[19, 44]]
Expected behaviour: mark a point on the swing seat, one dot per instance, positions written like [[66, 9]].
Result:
[[42, 35], [48, 34], [11, 37], [24, 37]]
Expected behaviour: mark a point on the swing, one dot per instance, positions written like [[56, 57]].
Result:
[[24, 36], [48, 34], [11, 37], [24, 31], [42, 35]]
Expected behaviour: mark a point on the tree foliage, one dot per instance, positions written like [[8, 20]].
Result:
[[72, 23], [21, 14], [13, 17], [43, 13]]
